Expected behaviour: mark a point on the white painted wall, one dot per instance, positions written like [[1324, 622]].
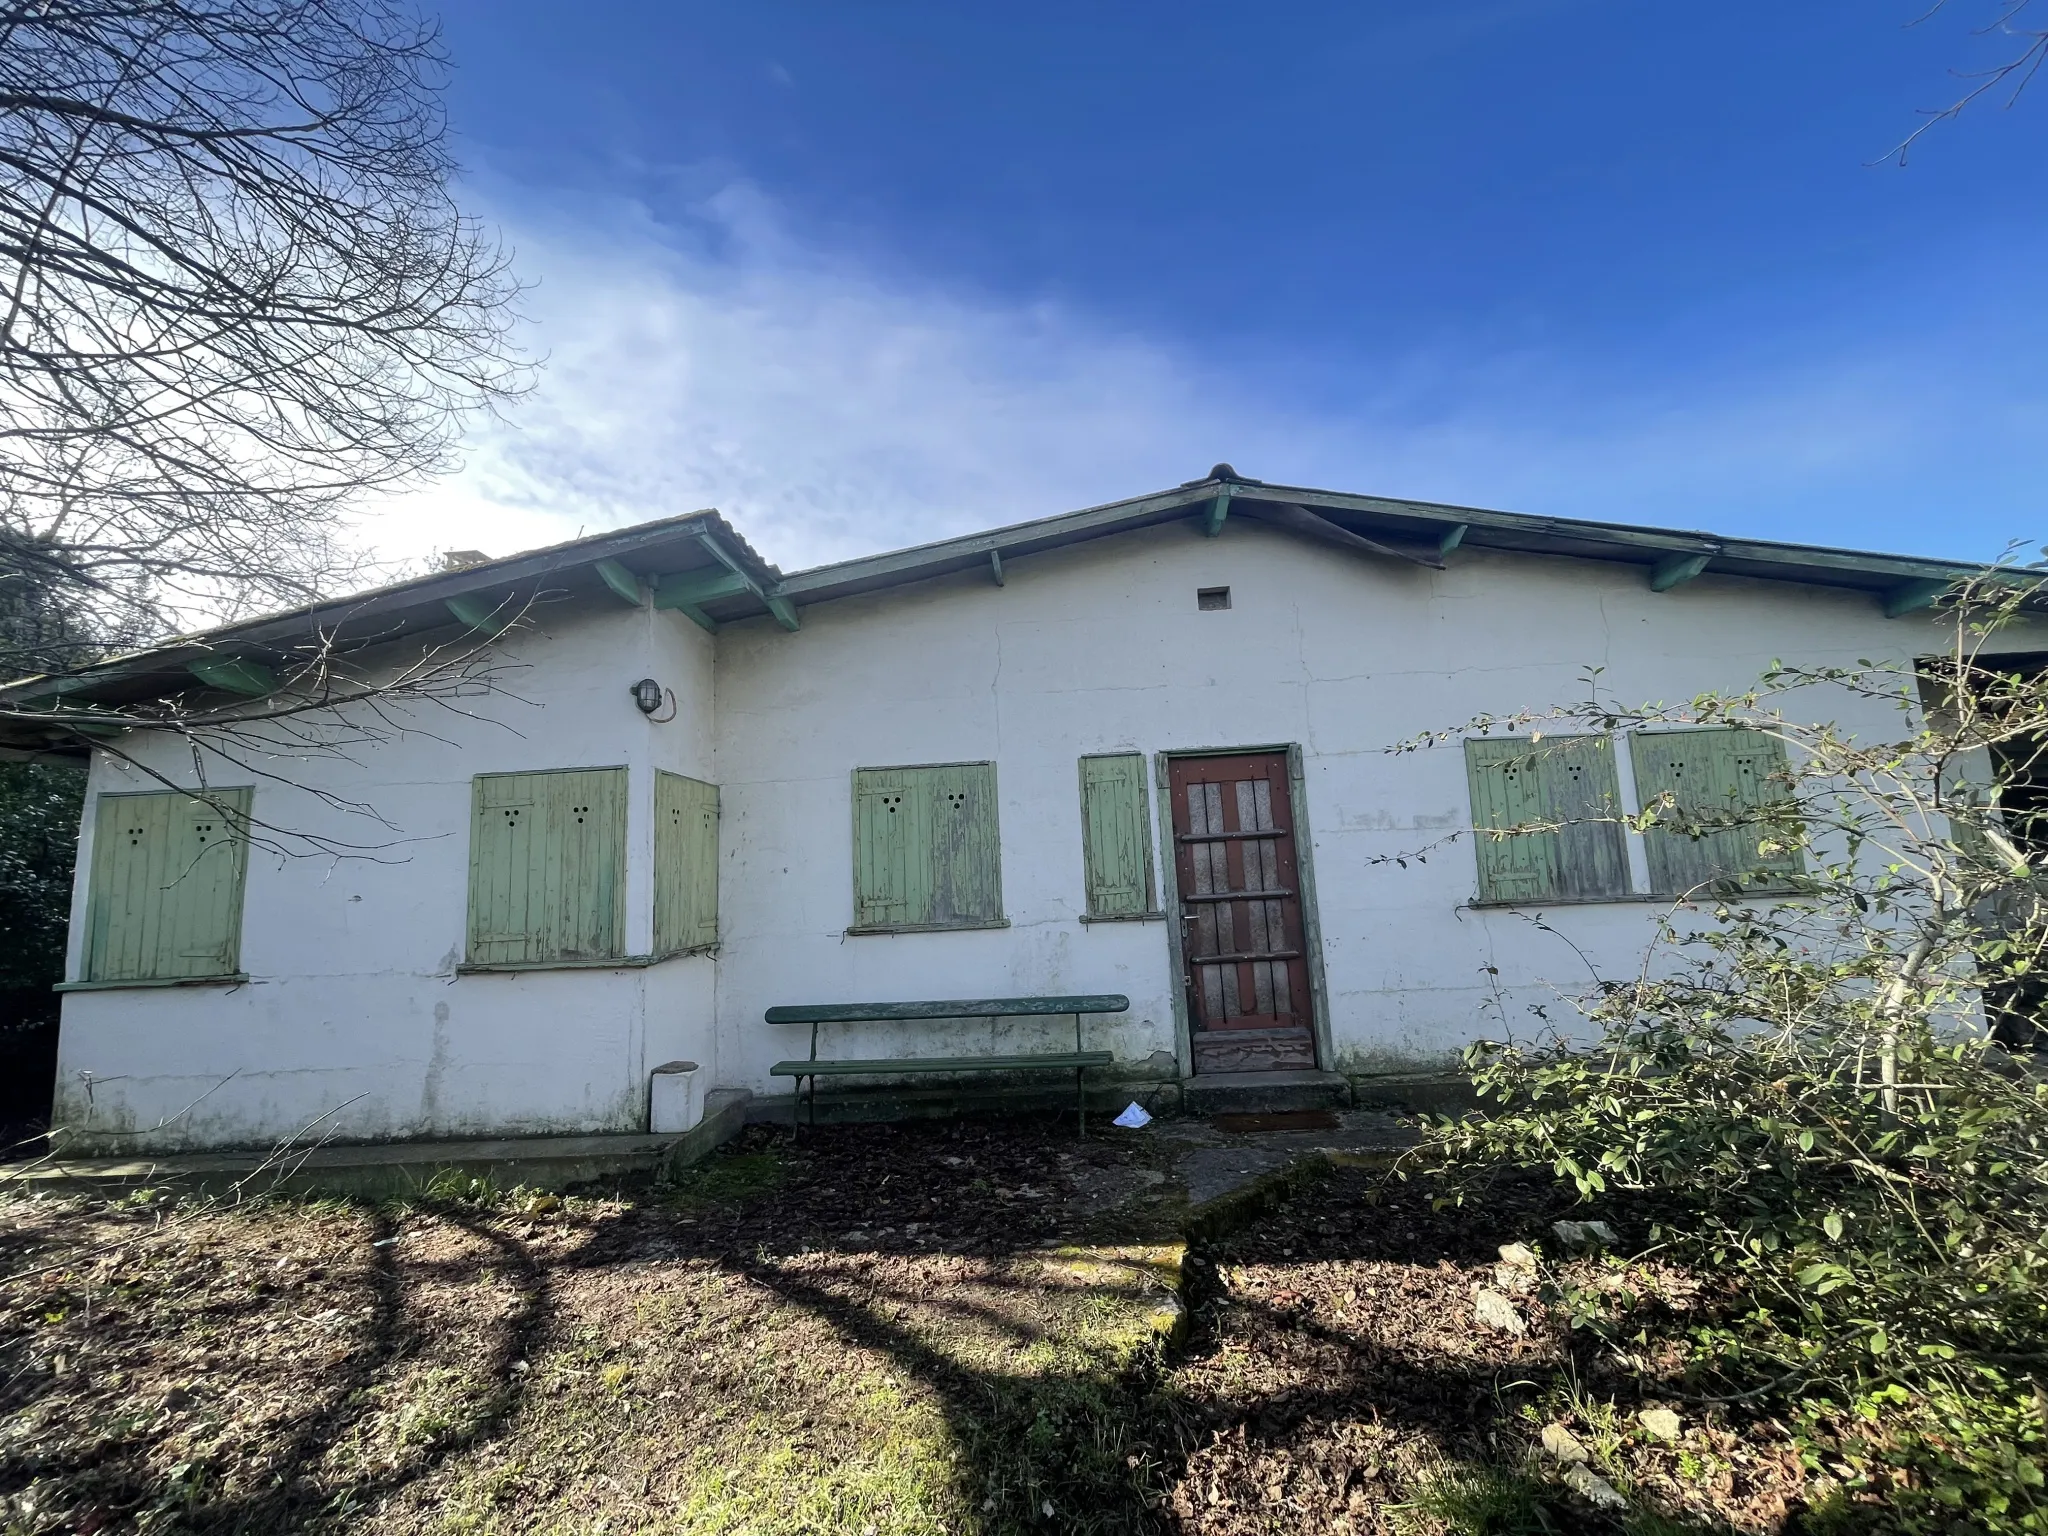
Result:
[[354, 1012], [1101, 647], [354, 1021]]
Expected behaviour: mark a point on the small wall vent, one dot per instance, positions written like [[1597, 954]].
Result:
[[1208, 599]]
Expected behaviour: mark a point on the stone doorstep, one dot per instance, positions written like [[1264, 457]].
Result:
[[386, 1168], [1223, 1093]]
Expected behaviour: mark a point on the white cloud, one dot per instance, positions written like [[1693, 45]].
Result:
[[831, 411], [826, 412]]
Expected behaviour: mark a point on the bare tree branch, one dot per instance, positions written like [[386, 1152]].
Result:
[[236, 293], [2023, 61]]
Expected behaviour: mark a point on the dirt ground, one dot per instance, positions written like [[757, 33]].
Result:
[[1338, 1371], [936, 1328]]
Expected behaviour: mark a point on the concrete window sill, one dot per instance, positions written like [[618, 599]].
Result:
[[1123, 917], [612, 963], [881, 928], [1636, 898], [233, 979]]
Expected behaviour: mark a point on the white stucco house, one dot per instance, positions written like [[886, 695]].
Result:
[[1138, 749]]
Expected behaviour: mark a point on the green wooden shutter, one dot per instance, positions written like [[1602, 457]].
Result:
[[685, 863], [886, 805], [926, 850], [165, 900], [1714, 776], [1116, 838], [547, 867], [964, 849], [1565, 783]]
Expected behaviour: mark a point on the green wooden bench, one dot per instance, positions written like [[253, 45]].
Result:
[[815, 1014]]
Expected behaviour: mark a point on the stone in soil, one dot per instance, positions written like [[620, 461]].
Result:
[[1560, 1444], [1495, 1311]]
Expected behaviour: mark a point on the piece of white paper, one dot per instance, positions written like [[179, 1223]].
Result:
[[1133, 1118]]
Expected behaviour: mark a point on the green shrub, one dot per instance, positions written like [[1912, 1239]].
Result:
[[1800, 1098]]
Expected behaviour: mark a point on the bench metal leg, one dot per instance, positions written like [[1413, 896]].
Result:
[[814, 1079], [1080, 1091]]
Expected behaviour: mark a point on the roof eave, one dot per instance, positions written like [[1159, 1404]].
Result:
[[417, 606], [1477, 527]]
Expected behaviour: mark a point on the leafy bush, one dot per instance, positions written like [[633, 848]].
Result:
[[39, 810], [1801, 1099]]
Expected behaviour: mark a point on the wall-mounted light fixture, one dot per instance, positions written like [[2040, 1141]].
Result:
[[647, 694]]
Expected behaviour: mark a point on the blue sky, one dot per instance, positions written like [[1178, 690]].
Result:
[[863, 275]]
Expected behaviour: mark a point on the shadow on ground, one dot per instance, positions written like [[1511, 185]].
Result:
[[932, 1328]]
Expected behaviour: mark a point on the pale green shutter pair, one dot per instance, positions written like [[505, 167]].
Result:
[[927, 851], [1566, 787], [165, 899], [547, 866], [927, 847]]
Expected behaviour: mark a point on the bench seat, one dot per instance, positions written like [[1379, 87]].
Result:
[[851, 1068], [939, 1011], [954, 1008]]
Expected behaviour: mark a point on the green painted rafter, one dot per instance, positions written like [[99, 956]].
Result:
[[622, 581], [97, 728], [1212, 520], [480, 613], [1912, 596], [686, 592], [995, 566], [783, 609], [1676, 571], [693, 588], [1453, 537], [234, 674]]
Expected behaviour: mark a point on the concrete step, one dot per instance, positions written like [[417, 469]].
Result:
[[1241, 1093]]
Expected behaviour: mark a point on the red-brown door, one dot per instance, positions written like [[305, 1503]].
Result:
[[1240, 899]]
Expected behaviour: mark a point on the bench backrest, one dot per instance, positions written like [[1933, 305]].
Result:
[[956, 1008]]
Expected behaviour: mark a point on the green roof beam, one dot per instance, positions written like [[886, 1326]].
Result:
[[234, 674], [94, 726], [480, 613], [692, 589], [1676, 571], [1912, 596], [995, 566], [622, 581], [780, 606], [1453, 537], [1219, 509]]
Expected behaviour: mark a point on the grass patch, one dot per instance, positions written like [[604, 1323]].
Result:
[[733, 1178], [1483, 1501], [837, 1333]]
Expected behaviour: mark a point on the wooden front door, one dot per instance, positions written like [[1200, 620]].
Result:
[[1242, 939]]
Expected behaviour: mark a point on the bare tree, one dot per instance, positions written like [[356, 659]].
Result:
[[2021, 60], [235, 294]]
